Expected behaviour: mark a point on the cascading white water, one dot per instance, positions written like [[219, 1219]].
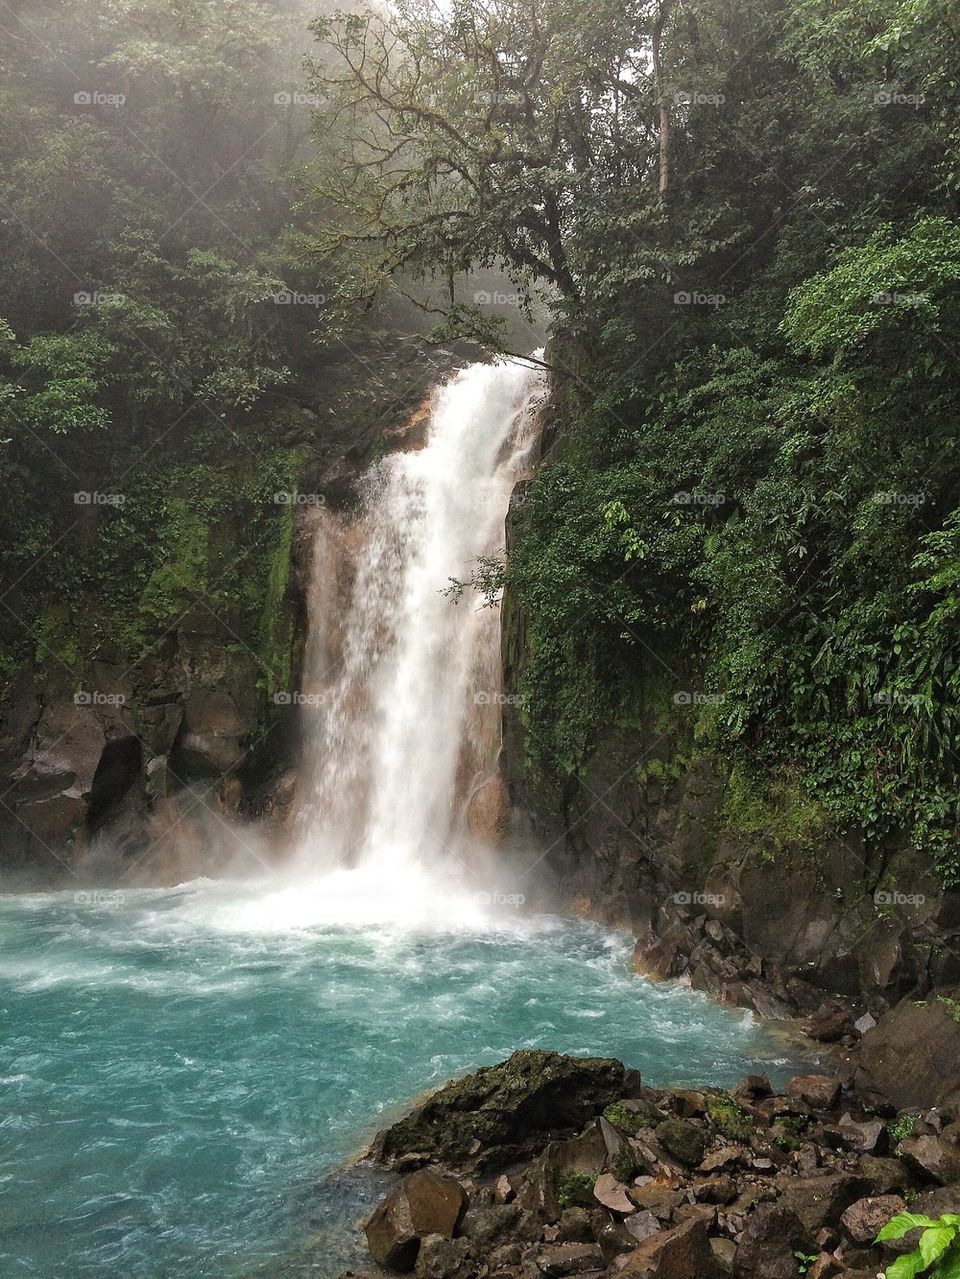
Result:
[[405, 689]]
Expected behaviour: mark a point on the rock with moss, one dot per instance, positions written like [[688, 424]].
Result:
[[500, 1113]]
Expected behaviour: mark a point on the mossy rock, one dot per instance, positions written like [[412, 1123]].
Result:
[[502, 1112]]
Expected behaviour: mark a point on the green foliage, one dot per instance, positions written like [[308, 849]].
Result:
[[626, 1120], [575, 1189], [902, 1128], [728, 1118], [937, 1254]]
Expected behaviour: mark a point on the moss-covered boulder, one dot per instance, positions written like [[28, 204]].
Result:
[[501, 1112]]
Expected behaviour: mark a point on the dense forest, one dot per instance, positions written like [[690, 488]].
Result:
[[743, 217], [741, 220]]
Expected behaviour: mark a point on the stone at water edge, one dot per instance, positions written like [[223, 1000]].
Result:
[[506, 1107], [819, 1091], [423, 1204]]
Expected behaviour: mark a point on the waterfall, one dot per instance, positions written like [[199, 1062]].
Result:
[[404, 696]]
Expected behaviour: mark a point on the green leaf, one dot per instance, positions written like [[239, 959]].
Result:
[[935, 1242], [906, 1267], [902, 1224]]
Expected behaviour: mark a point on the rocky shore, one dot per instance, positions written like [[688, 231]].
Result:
[[547, 1166]]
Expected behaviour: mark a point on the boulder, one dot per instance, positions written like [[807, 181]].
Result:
[[682, 1253], [441, 1258], [682, 1139], [715, 1190], [821, 1092], [865, 1137], [641, 1225], [912, 1056], [818, 1201], [770, 1240], [864, 1219], [612, 1194], [932, 1157], [885, 1175], [503, 1112], [423, 1204], [561, 1259], [488, 1227], [576, 1226]]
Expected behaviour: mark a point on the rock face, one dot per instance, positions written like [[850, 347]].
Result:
[[609, 1194], [504, 1110], [912, 1057], [423, 1204], [768, 922]]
